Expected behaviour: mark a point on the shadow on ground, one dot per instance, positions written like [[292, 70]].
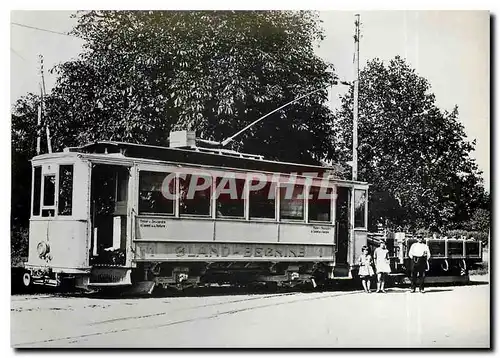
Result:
[[346, 285]]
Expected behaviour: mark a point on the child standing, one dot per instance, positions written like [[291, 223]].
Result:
[[365, 268], [381, 256]]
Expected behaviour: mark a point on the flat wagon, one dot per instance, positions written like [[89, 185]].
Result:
[[451, 257]]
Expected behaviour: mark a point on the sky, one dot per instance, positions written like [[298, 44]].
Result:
[[451, 49]]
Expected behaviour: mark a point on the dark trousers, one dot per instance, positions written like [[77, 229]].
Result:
[[418, 266]]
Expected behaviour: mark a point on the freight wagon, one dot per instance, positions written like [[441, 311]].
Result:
[[451, 258]]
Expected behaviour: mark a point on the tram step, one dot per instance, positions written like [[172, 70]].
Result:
[[341, 271], [110, 276]]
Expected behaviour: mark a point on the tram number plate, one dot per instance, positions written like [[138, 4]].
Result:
[[232, 250]]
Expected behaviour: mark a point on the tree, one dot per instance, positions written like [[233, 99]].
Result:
[[23, 144], [415, 155], [144, 73], [481, 217], [480, 221]]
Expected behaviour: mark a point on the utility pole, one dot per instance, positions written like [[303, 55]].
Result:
[[355, 106], [38, 125], [41, 110]]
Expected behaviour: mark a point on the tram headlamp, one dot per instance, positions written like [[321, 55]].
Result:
[[43, 249]]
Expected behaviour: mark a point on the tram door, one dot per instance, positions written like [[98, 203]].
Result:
[[108, 200], [342, 226]]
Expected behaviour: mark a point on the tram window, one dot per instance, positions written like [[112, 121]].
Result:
[[49, 194], [359, 208], [65, 201], [152, 200], [122, 186], [292, 202], [319, 204], [195, 195], [37, 190], [230, 202], [49, 190], [262, 201], [48, 212]]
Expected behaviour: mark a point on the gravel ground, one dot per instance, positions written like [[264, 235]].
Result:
[[447, 316]]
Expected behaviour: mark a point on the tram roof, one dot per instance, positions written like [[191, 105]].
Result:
[[197, 155]]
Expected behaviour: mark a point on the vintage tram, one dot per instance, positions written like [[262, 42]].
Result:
[[101, 218]]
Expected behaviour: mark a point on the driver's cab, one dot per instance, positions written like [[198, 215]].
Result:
[[78, 216]]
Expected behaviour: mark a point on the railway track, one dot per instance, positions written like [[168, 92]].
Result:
[[56, 321], [170, 317]]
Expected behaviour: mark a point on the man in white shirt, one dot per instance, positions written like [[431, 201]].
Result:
[[419, 254]]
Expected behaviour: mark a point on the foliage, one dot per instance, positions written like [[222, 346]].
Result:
[[416, 155], [480, 269], [19, 246], [480, 221], [477, 235], [23, 144], [144, 73]]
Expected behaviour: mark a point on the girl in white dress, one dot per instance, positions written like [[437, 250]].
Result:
[[381, 256], [365, 262]]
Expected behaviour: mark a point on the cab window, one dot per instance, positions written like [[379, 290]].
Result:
[[37, 190], [49, 195], [360, 199], [65, 202]]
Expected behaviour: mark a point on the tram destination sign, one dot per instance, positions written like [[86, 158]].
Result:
[[231, 251]]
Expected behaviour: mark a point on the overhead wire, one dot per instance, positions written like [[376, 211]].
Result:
[[41, 29], [38, 29], [16, 53]]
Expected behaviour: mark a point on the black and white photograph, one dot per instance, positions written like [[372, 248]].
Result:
[[250, 179]]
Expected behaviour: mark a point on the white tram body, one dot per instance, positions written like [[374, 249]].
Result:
[[99, 218]]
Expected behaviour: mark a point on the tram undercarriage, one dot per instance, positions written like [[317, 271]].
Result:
[[237, 273], [184, 275]]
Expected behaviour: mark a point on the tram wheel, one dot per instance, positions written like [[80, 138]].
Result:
[[159, 291], [272, 287]]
